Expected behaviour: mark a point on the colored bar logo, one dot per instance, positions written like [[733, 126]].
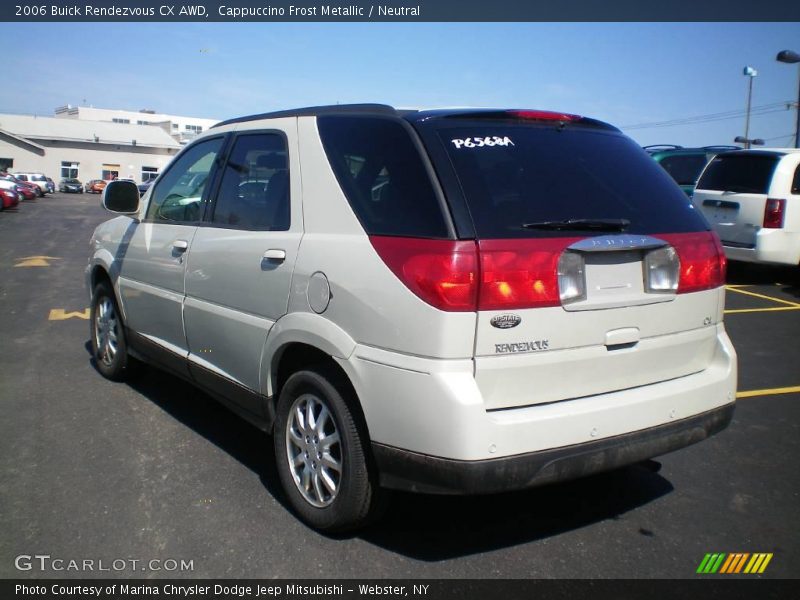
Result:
[[737, 562]]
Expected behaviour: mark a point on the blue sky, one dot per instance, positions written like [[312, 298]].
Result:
[[627, 74]]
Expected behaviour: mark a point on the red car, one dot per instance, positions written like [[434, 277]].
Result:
[[8, 199], [25, 189]]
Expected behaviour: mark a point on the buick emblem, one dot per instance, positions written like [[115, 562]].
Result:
[[505, 321]]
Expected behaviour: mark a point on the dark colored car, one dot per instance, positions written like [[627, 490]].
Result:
[[70, 185], [685, 164], [51, 187], [144, 186]]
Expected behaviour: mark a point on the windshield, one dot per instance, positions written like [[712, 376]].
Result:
[[520, 179]]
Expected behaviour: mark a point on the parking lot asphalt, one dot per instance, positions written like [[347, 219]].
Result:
[[155, 470]]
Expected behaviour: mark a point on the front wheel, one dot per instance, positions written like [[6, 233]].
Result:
[[109, 346], [322, 453]]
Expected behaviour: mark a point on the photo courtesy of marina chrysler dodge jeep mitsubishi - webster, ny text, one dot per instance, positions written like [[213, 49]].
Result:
[[443, 301]]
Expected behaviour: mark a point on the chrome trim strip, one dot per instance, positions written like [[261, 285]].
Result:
[[612, 243]]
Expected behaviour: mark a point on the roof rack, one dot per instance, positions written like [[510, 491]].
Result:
[[314, 111]]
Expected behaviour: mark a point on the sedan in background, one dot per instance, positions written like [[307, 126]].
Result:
[[143, 187], [95, 186], [70, 185]]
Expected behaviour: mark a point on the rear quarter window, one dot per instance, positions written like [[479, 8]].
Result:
[[383, 176], [743, 173]]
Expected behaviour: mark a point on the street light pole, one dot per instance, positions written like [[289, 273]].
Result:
[[791, 57], [751, 73]]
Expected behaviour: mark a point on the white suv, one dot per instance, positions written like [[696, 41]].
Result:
[[752, 198], [455, 301], [38, 179]]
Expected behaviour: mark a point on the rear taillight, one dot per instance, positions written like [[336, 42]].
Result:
[[774, 210], [702, 260], [443, 273], [521, 273], [661, 271], [510, 274], [571, 277]]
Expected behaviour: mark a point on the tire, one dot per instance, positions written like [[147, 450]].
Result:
[[330, 486], [109, 346]]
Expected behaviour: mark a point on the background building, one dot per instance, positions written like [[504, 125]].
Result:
[[182, 129], [95, 143]]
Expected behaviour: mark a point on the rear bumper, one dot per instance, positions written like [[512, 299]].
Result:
[[435, 408], [402, 469], [776, 246]]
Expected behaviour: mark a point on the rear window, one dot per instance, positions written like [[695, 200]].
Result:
[[684, 168], [516, 174], [383, 176], [745, 173]]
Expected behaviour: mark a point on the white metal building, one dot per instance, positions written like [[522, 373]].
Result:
[[183, 129], [84, 149]]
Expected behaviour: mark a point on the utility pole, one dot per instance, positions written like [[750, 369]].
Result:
[[751, 73], [791, 57]]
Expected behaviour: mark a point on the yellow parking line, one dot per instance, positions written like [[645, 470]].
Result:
[[734, 311], [754, 294], [738, 285], [770, 392], [59, 314]]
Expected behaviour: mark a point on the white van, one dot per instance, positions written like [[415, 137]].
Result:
[[752, 199]]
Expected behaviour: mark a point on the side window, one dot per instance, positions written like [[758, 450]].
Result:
[[796, 181], [383, 176], [254, 193], [179, 195]]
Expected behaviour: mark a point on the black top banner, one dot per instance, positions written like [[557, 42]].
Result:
[[402, 10]]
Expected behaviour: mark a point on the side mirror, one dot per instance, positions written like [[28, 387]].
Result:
[[121, 197]]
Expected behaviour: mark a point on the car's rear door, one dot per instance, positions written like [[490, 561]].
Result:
[[240, 268]]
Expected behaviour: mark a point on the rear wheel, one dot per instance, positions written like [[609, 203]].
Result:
[[322, 453], [109, 346]]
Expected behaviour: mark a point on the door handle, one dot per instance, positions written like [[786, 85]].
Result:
[[275, 254], [180, 245]]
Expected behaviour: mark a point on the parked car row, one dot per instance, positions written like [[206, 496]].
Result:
[[751, 198], [14, 190]]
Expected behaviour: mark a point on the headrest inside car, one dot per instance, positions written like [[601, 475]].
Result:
[[273, 160]]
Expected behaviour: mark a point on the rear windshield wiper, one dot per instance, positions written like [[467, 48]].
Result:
[[580, 225]]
